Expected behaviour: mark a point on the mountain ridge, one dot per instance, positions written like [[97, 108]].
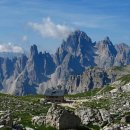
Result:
[[33, 74]]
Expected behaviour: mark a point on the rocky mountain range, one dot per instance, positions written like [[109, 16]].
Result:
[[77, 66]]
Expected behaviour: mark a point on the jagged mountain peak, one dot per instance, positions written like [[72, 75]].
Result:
[[122, 45], [76, 41], [76, 54], [105, 46], [79, 35], [106, 38], [33, 50], [106, 41], [79, 45]]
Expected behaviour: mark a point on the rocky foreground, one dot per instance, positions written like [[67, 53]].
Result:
[[100, 109]]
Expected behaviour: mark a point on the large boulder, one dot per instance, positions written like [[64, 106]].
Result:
[[6, 120], [95, 116], [117, 127], [125, 119], [38, 120], [61, 118]]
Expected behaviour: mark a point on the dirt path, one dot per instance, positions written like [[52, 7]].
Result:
[[73, 103]]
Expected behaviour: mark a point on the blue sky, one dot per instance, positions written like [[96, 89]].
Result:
[[47, 22]]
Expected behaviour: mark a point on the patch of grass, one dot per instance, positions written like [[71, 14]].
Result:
[[93, 127], [45, 128], [82, 127], [101, 103], [116, 118], [127, 113], [85, 94], [118, 68], [33, 98], [26, 119], [24, 108], [107, 88], [125, 79], [5, 128]]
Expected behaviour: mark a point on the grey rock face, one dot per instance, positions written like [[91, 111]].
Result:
[[7, 67], [68, 67], [20, 65], [77, 54], [123, 54], [89, 115], [61, 119], [106, 53], [126, 119], [91, 78], [79, 50], [38, 120], [38, 68], [21, 75], [117, 127], [6, 120], [39, 65]]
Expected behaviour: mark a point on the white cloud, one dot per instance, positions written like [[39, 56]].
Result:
[[49, 29], [24, 38], [10, 48]]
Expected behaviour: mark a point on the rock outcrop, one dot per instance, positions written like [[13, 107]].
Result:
[[106, 53], [6, 120], [61, 119], [38, 120], [117, 127], [94, 116]]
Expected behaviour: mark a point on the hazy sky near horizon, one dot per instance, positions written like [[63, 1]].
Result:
[[46, 22]]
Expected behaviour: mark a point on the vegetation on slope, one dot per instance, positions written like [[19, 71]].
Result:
[[118, 68], [125, 79], [105, 89], [92, 92], [24, 108]]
